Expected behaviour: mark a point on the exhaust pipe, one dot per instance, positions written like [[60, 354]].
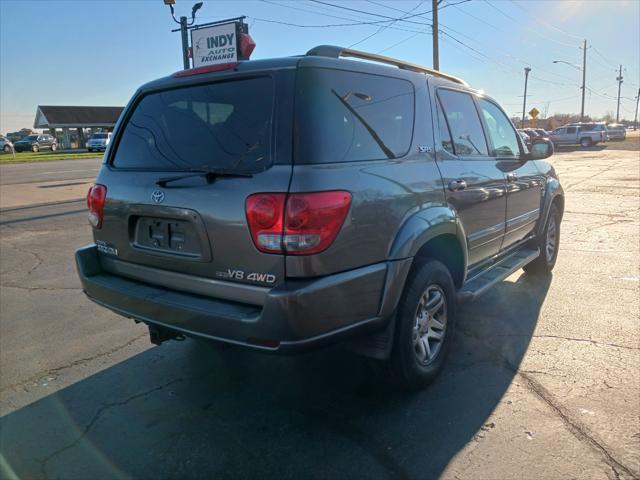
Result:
[[159, 335]]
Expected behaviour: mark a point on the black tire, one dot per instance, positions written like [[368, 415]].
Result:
[[405, 368], [35, 148], [90, 149], [586, 142], [544, 263]]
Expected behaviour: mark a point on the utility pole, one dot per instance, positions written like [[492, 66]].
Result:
[[619, 79], [184, 24], [584, 78], [185, 43], [524, 103], [635, 118], [434, 33]]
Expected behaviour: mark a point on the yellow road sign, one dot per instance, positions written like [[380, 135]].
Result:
[[534, 112]]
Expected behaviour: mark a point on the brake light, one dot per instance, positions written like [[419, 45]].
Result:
[[95, 203], [206, 69], [265, 216], [297, 224]]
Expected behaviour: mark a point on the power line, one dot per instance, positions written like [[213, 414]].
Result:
[[383, 28], [373, 22], [546, 24], [528, 27], [603, 57], [342, 7]]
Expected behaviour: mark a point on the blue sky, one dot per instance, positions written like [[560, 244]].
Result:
[[94, 52]]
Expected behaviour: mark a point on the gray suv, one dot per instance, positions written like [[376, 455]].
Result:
[[286, 204]]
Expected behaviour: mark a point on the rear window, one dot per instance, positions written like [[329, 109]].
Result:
[[223, 125], [99, 135], [348, 116]]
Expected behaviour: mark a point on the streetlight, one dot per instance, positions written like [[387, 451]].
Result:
[[183, 22], [584, 75]]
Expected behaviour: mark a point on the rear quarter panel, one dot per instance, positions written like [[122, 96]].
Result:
[[385, 194]]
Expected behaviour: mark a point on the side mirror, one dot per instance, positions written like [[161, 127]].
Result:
[[541, 149]]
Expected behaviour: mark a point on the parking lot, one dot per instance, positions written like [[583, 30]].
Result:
[[542, 381]]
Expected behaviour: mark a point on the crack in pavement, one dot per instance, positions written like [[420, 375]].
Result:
[[54, 371], [95, 418], [586, 340], [22, 287], [557, 337], [575, 427]]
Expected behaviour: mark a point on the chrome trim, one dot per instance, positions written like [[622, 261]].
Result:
[[527, 217], [485, 232]]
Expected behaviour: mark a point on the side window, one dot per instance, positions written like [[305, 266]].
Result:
[[445, 134], [560, 131], [571, 130], [500, 130], [344, 116], [466, 129]]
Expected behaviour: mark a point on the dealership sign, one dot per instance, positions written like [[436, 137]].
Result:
[[215, 44]]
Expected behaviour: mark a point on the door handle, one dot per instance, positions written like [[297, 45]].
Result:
[[457, 185], [512, 177]]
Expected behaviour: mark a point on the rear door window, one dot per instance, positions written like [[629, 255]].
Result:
[[344, 116], [464, 123], [571, 130], [445, 134], [501, 132], [226, 125]]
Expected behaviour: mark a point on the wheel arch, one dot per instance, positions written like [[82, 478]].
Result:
[[434, 232], [554, 195]]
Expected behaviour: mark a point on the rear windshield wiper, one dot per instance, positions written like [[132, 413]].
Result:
[[209, 173]]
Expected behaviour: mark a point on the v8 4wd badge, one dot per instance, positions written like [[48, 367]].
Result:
[[242, 275]]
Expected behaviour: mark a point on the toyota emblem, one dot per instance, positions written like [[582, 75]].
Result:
[[157, 196]]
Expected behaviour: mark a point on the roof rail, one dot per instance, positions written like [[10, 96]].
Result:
[[337, 52]]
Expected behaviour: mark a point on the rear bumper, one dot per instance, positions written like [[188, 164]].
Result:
[[296, 315]]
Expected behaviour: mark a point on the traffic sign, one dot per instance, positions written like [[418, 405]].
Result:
[[534, 112]]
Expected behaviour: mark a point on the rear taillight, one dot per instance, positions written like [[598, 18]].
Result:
[[298, 223], [95, 203]]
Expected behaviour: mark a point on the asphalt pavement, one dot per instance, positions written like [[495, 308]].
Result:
[[20, 173], [542, 381]]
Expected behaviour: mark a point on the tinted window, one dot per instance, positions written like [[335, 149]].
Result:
[[500, 130], [571, 130], [445, 134], [99, 135], [348, 116], [220, 125], [468, 137]]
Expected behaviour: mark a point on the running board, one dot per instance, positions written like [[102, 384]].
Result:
[[475, 287]]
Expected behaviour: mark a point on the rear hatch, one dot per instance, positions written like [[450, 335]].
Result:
[[160, 216]]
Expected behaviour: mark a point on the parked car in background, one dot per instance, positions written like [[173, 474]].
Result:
[[542, 132], [36, 142], [526, 138], [213, 226], [5, 145], [616, 131], [99, 141], [534, 134], [577, 135], [593, 127]]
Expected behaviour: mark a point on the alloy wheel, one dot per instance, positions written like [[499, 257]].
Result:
[[430, 324]]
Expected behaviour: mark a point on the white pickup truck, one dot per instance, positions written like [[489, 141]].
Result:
[[585, 135]]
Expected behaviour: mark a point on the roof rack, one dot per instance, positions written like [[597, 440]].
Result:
[[337, 52]]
